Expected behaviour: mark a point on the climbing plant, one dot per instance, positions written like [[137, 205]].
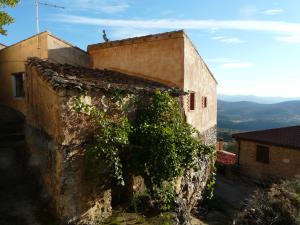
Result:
[[159, 144]]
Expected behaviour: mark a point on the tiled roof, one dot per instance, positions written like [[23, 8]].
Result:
[[285, 137], [64, 76]]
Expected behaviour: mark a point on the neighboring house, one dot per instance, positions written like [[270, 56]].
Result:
[[172, 59], [269, 154], [12, 64]]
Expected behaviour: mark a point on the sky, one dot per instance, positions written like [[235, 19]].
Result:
[[251, 46]]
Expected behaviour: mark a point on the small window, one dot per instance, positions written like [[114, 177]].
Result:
[[262, 154], [18, 85], [192, 101], [204, 102]]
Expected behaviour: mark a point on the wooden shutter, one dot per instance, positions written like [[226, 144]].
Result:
[[192, 101]]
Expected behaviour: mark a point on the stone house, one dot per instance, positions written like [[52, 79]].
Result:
[[55, 134], [269, 154], [169, 58], [12, 64]]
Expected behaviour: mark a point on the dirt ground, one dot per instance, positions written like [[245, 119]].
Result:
[[230, 194]]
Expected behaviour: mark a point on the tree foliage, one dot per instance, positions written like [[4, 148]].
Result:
[[5, 18]]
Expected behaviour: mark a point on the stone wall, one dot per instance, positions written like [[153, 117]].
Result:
[[284, 162], [209, 136], [56, 135]]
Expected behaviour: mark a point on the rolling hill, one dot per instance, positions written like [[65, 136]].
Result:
[[247, 116], [254, 98]]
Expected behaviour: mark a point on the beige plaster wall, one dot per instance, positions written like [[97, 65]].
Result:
[[198, 78], [43, 105], [12, 60], [158, 57], [43, 45], [62, 52], [169, 58], [284, 162]]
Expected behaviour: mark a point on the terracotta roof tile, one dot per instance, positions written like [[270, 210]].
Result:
[[64, 76], [285, 136]]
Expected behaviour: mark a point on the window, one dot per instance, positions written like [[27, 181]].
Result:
[[204, 102], [18, 85], [192, 101], [262, 154]]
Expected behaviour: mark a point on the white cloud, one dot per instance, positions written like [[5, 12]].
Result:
[[291, 39], [247, 25], [272, 12], [236, 65], [228, 40], [106, 6]]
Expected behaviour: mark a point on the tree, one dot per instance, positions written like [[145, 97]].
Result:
[[6, 19]]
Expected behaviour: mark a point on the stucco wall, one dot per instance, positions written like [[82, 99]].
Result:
[[158, 57], [198, 79], [169, 58], [284, 162], [60, 51], [12, 60], [43, 45]]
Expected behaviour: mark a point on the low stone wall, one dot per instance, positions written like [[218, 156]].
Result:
[[209, 137], [62, 172]]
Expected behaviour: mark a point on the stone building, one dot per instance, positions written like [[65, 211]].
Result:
[[12, 64], [269, 154], [56, 133], [44, 89], [172, 59]]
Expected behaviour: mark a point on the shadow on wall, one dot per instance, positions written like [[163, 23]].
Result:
[[69, 55]]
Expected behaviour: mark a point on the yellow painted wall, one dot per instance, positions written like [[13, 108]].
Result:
[[43, 106], [198, 78], [62, 52], [157, 57], [284, 162], [169, 58], [12, 60], [43, 45]]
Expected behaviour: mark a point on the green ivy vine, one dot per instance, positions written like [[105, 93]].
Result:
[[158, 144]]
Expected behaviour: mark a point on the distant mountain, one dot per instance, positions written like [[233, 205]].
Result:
[[253, 98], [247, 116]]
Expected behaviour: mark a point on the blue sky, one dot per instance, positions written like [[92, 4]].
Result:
[[251, 46]]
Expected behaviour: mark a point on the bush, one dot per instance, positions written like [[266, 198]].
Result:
[[278, 205]]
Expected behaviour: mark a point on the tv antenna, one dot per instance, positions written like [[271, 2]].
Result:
[[37, 11]]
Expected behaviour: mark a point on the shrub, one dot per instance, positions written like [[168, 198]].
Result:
[[278, 205]]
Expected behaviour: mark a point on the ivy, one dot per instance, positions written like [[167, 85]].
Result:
[[158, 144]]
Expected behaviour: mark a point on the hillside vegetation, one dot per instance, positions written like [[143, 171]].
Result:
[[247, 116], [278, 205]]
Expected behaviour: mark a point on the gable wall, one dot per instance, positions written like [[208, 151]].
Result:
[[284, 162], [60, 51], [12, 60]]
